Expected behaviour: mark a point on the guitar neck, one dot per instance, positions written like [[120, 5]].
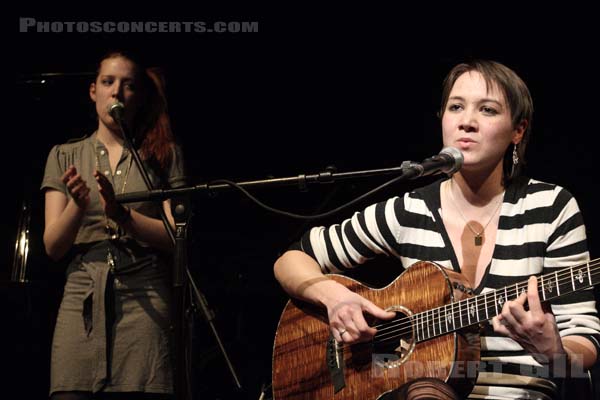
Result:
[[476, 309]]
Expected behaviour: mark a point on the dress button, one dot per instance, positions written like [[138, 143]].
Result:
[[106, 172], [102, 152], [119, 172]]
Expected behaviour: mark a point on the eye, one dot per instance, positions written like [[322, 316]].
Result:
[[107, 81], [454, 107], [129, 84], [489, 110]]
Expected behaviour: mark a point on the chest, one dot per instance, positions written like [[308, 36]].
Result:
[[114, 156], [473, 242]]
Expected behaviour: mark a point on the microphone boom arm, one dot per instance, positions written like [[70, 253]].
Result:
[[408, 170]]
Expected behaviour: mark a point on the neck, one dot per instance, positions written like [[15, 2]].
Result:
[[479, 188], [109, 137]]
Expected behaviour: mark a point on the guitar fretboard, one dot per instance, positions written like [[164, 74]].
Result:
[[473, 310]]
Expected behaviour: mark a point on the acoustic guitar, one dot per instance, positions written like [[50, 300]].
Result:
[[435, 333]]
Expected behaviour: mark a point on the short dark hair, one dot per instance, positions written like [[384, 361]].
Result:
[[517, 98]]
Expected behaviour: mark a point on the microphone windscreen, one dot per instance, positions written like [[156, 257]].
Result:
[[115, 110], [457, 156]]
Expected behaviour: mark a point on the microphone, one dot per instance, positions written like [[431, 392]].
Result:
[[116, 111], [449, 161]]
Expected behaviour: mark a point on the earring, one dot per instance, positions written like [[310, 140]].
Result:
[[515, 159]]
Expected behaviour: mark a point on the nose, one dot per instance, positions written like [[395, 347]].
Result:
[[117, 92], [468, 122]]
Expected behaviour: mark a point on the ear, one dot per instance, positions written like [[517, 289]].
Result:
[[93, 91], [519, 131]]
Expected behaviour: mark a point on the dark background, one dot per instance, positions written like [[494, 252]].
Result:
[[352, 88]]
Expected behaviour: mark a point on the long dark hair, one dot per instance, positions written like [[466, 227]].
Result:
[[151, 125]]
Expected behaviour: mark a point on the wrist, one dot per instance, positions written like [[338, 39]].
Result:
[[328, 292], [560, 364]]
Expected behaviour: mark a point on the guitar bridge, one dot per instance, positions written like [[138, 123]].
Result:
[[335, 363]]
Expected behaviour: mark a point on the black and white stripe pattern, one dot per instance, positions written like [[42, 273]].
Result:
[[540, 230]]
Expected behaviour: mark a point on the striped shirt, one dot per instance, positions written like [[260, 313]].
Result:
[[540, 230]]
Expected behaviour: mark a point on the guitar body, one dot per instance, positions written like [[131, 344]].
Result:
[[309, 364]]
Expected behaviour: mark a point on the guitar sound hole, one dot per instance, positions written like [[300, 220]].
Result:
[[394, 341]]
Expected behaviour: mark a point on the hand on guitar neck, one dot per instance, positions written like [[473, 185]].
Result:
[[535, 328]]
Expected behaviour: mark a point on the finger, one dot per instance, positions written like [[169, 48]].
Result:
[[517, 311], [103, 195], [73, 181], [499, 326], [336, 335], [350, 336], [376, 311], [76, 186], [100, 178], [104, 188], [349, 325], [508, 313], [77, 189], [502, 329], [85, 193], [533, 297], [106, 185], [335, 332], [68, 173], [364, 328], [100, 175], [522, 299]]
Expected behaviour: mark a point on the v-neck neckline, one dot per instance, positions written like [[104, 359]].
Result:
[[433, 197]]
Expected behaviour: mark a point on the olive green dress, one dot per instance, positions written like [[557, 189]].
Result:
[[112, 330]]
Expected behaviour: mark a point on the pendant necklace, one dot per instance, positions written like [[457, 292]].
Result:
[[478, 238], [111, 232]]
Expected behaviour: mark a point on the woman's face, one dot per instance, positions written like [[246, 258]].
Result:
[[477, 121], [116, 81]]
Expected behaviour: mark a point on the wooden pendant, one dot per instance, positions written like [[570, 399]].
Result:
[[478, 240]]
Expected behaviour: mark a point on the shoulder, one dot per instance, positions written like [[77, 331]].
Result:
[[175, 167], [73, 144], [525, 187], [527, 194], [432, 189], [429, 194], [418, 201]]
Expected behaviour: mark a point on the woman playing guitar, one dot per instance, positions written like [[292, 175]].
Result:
[[487, 222]]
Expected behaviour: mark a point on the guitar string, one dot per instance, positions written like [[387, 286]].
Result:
[[426, 321], [408, 329], [407, 322], [564, 277]]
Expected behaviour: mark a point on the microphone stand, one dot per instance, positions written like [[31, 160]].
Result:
[[180, 199], [181, 214], [408, 170]]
